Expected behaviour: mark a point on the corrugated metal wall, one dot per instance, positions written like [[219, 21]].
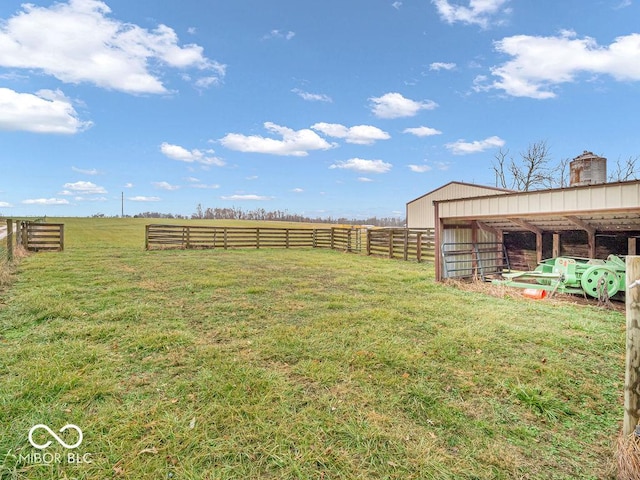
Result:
[[461, 240], [578, 199], [420, 213]]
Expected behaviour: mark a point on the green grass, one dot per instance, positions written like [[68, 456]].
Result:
[[279, 364]]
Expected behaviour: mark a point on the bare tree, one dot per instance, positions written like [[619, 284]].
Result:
[[563, 173], [625, 171], [499, 168], [531, 172]]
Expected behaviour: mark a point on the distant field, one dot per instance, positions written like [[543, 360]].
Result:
[[281, 364]]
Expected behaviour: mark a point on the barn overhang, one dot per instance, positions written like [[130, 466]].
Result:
[[611, 208]]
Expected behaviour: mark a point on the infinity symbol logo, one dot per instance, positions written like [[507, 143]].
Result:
[[53, 434]]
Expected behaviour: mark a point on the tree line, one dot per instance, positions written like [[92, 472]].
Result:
[[237, 213]]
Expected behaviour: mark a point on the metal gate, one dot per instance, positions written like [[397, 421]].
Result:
[[474, 260]]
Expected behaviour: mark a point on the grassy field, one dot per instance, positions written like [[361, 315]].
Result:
[[293, 364]]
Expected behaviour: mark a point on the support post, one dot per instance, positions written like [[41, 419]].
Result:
[[9, 240], [632, 367], [475, 260], [438, 234], [146, 237], [368, 246], [556, 245], [631, 249], [592, 244], [419, 247], [538, 247]]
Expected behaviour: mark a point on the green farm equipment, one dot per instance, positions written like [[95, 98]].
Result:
[[596, 278]]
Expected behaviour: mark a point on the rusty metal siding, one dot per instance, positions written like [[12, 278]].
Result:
[[587, 169]]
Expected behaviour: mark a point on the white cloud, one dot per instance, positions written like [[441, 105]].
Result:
[[91, 171], [85, 188], [165, 186], [176, 152], [91, 199], [394, 105], [46, 201], [420, 168], [396, 5], [540, 63], [45, 112], [297, 190], [360, 134], [422, 131], [141, 198], [279, 34], [79, 42], [296, 143], [128, 185], [204, 186], [437, 66], [479, 12], [246, 197], [461, 147], [206, 82], [5, 205], [365, 166], [365, 179], [312, 97]]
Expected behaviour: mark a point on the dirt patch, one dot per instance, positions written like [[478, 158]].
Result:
[[501, 291]]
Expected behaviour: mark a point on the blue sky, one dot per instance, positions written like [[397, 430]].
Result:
[[332, 108]]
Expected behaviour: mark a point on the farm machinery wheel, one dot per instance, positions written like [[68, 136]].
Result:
[[596, 278]]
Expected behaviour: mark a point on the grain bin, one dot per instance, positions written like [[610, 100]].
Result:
[[588, 169]]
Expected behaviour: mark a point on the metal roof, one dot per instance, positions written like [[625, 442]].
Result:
[[473, 186]]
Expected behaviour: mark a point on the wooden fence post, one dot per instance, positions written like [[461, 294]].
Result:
[[406, 245], [62, 237], [146, 237], [257, 238], [632, 372], [24, 240], [419, 246], [9, 240], [390, 243], [368, 246]]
